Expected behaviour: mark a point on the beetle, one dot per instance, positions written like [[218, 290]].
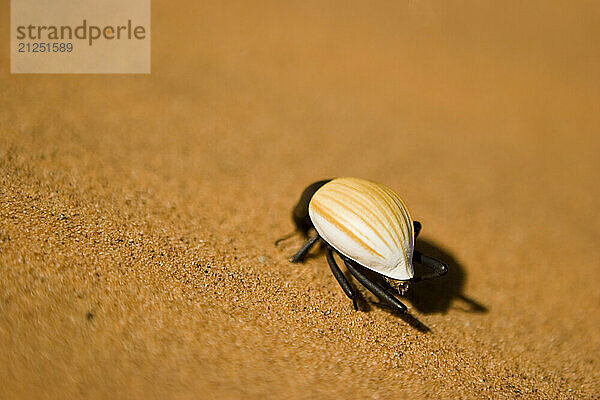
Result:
[[368, 226]]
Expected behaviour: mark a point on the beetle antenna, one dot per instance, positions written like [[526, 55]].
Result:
[[286, 237]]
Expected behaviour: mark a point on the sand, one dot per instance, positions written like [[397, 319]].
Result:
[[138, 212]]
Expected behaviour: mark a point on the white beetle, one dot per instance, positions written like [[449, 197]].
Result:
[[368, 226]]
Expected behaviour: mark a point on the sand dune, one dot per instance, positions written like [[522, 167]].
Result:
[[138, 212]]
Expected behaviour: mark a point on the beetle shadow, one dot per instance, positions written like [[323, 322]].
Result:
[[427, 297], [438, 295], [410, 319], [365, 304]]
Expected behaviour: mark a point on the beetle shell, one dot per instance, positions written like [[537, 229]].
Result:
[[366, 222]]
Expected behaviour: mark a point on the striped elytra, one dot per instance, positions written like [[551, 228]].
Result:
[[366, 222]]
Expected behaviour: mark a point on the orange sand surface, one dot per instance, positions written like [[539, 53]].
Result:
[[138, 212]]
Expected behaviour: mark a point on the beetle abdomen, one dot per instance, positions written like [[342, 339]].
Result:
[[366, 222]]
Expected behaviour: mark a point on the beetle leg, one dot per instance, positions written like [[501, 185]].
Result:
[[341, 278], [286, 237], [374, 287], [301, 254], [417, 228], [439, 267]]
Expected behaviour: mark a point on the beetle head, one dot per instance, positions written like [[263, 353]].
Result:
[[400, 286]]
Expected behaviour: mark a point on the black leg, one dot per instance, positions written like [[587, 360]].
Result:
[[301, 254], [341, 278], [417, 228], [374, 287], [439, 267], [286, 237]]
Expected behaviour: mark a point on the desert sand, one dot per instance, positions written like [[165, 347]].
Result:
[[138, 212]]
